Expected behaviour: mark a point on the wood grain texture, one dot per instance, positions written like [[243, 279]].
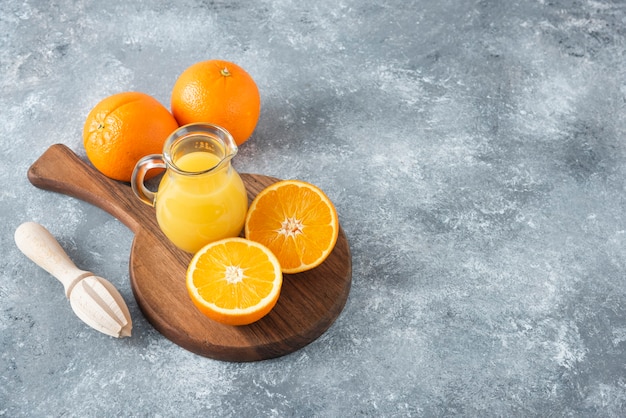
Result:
[[309, 302]]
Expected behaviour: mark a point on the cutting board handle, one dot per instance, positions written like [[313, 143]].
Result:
[[60, 170]]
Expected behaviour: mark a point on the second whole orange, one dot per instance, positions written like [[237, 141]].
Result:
[[218, 92], [123, 128]]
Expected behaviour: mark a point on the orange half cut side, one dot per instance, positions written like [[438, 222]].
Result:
[[234, 281], [296, 221]]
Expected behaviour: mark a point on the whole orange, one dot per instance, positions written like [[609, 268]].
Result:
[[122, 129], [218, 92]]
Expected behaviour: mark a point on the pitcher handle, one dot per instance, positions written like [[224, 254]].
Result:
[[144, 165]]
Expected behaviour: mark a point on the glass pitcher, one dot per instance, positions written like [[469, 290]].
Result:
[[200, 197]]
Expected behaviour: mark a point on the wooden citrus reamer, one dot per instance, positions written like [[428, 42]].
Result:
[[94, 299]]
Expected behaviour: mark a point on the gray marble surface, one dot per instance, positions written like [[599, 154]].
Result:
[[474, 150]]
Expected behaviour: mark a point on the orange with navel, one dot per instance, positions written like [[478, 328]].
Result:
[[123, 128], [218, 92]]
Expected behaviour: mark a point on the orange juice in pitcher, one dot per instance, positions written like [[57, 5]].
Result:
[[201, 197]]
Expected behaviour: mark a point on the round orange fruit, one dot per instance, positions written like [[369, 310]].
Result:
[[218, 92], [123, 128], [234, 281], [296, 221]]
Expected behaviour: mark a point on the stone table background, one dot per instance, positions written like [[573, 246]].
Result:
[[475, 151]]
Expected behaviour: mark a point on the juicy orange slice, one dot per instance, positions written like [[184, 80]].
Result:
[[234, 281], [295, 220]]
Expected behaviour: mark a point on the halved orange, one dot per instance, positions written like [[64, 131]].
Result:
[[295, 220], [234, 281]]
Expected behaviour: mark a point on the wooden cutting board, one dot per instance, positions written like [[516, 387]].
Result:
[[309, 302]]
